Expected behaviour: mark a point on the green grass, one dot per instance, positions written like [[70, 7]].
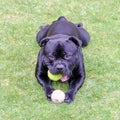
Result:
[[21, 97]]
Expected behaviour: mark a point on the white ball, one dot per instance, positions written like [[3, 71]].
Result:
[[58, 96]]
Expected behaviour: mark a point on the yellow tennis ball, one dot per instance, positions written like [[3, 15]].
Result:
[[54, 77]]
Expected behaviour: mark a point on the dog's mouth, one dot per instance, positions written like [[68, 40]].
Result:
[[64, 78]]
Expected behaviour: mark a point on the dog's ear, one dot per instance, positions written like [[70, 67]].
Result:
[[42, 33], [76, 41], [43, 42]]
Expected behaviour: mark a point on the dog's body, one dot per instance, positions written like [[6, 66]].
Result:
[[60, 52]]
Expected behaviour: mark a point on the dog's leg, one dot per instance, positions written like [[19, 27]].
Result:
[[43, 80], [75, 83], [42, 33], [83, 34]]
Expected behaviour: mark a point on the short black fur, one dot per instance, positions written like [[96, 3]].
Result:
[[61, 52]]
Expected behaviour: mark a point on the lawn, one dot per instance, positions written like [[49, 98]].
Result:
[[21, 97]]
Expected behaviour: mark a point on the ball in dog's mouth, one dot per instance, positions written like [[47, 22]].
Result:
[[56, 77]]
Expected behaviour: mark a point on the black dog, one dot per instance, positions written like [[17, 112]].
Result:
[[61, 52]]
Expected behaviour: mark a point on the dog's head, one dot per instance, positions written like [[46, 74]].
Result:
[[61, 54]]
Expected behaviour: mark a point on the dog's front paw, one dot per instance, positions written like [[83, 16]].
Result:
[[48, 93], [69, 97]]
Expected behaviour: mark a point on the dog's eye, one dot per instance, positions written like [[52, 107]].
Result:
[[51, 57], [67, 56]]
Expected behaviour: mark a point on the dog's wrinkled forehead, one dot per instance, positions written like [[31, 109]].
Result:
[[60, 45]]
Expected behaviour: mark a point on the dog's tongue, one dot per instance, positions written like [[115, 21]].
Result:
[[64, 78]]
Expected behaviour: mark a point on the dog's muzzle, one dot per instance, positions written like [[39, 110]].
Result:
[[60, 68]]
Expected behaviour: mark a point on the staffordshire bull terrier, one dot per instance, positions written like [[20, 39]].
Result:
[[61, 52]]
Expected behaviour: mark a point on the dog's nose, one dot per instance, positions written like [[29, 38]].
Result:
[[60, 67]]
